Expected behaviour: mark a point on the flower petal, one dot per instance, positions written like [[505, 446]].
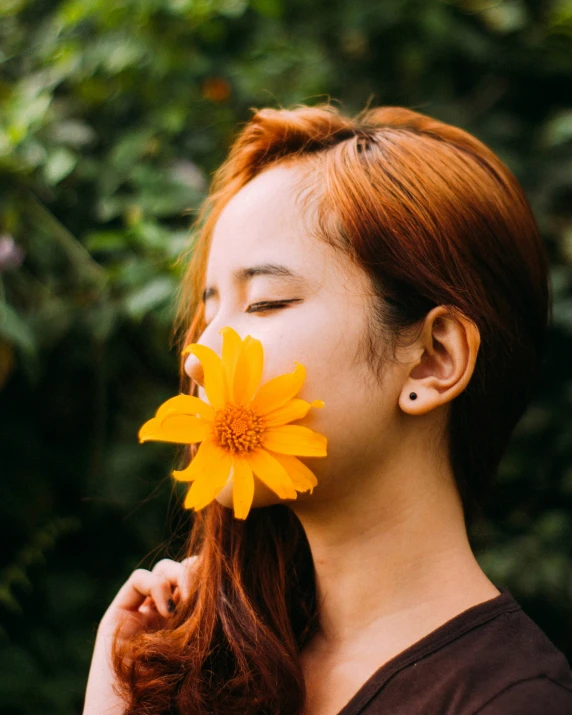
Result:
[[248, 371], [295, 439], [231, 349], [279, 390], [271, 473], [293, 410], [199, 463], [303, 478], [173, 427], [186, 405], [211, 479], [242, 487], [216, 385]]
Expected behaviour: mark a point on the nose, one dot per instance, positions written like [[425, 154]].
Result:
[[194, 369], [211, 338]]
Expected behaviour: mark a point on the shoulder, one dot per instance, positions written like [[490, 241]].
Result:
[[534, 696], [492, 660], [514, 667]]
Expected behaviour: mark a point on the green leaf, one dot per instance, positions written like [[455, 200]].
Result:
[[156, 293], [558, 130], [59, 165], [15, 330], [107, 241]]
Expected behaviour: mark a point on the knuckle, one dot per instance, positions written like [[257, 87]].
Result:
[[163, 583], [190, 561], [163, 562], [160, 584], [163, 566]]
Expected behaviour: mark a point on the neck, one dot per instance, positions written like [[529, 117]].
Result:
[[378, 556]]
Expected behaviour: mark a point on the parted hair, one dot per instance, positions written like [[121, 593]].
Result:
[[433, 217]]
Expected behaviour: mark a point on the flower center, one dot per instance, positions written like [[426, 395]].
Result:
[[237, 428]]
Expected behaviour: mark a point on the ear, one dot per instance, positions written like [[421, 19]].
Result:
[[440, 362]]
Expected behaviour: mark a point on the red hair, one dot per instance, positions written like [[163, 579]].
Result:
[[434, 218]]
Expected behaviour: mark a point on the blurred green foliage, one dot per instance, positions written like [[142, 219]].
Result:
[[113, 117]]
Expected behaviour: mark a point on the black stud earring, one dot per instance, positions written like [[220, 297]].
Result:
[[412, 395]]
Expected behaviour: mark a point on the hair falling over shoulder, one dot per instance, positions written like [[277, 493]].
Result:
[[434, 217]]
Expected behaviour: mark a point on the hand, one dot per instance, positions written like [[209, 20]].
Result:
[[148, 598], [142, 603]]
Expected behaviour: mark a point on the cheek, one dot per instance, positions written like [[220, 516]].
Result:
[[358, 413], [340, 378]]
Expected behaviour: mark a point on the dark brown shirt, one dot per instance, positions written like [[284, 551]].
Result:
[[492, 659]]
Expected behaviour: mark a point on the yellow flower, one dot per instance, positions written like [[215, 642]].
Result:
[[242, 429]]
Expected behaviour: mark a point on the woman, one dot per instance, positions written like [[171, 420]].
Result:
[[397, 258]]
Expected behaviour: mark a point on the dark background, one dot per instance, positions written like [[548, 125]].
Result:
[[113, 117]]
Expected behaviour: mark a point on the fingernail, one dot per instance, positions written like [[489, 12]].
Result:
[[171, 605]]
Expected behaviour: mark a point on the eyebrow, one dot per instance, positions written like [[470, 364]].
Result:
[[242, 275]]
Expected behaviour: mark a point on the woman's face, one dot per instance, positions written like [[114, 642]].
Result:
[[321, 322]]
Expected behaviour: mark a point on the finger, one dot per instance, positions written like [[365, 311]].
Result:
[[162, 593], [190, 560], [152, 618], [168, 569], [187, 573], [178, 573], [147, 606], [172, 573], [134, 591]]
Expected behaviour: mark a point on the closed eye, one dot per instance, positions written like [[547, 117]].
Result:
[[264, 306], [269, 305]]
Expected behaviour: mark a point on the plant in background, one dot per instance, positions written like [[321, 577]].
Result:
[[112, 122]]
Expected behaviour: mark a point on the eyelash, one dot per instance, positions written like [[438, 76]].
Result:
[[266, 305]]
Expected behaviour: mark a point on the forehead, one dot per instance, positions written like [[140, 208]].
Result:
[[265, 222]]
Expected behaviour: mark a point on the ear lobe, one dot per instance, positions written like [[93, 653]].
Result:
[[446, 353]]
